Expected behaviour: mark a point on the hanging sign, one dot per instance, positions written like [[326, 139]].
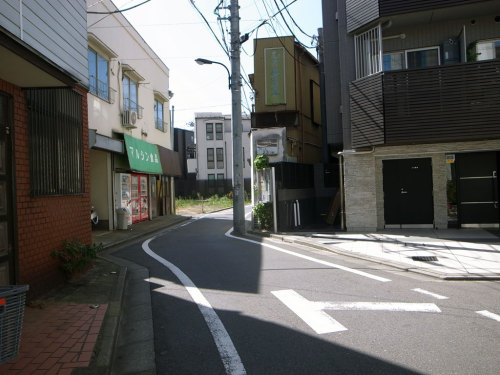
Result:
[[275, 75]]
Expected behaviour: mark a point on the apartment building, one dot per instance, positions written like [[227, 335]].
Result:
[[44, 158], [214, 153], [132, 162], [412, 94]]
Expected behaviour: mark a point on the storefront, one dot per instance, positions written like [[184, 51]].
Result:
[[132, 189]]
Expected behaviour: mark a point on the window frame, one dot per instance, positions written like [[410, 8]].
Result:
[[209, 134], [127, 100], [423, 49], [219, 155], [94, 89], [210, 158], [219, 135], [159, 123]]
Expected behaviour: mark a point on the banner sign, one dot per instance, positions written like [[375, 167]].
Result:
[[275, 75], [142, 156]]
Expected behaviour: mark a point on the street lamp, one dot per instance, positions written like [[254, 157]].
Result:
[[235, 87], [201, 61]]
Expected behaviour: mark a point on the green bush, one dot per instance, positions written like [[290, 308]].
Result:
[[261, 162], [264, 213], [75, 256]]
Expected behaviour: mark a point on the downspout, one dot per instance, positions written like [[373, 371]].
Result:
[[21, 27], [301, 106]]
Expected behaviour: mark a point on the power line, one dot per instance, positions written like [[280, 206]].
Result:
[[120, 10]]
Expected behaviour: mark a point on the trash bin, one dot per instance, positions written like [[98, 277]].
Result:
[[122, 216], [12, 301]]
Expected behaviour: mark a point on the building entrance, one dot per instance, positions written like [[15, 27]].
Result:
[[408, 198], [478, 189]]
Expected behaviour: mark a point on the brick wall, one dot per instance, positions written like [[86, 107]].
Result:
[[43, 223]]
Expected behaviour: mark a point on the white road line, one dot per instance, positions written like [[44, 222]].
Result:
[[229, 356], [490, 315], [311, 259], [318, 320], [426, 292], [377, 306]]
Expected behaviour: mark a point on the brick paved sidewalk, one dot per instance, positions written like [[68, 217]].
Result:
[[57, 338]]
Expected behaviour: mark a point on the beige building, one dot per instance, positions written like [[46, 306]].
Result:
[[131, 159]]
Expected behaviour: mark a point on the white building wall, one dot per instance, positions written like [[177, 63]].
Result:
[[113, 37], [202, 144]]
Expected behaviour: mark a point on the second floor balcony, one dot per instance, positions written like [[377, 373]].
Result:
[[446, 103]]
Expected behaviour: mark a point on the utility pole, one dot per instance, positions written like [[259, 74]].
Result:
[[238, 187]]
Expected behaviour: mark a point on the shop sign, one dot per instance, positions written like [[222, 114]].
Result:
[[142, 156], [275, 75], [450, 158]]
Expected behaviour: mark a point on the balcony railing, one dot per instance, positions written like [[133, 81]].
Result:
[[440, 104], [363, 12]]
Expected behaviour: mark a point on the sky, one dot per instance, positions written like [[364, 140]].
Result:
[[178, 34]]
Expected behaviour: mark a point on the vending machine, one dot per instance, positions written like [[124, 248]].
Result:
[[123, 185], [139, 197]]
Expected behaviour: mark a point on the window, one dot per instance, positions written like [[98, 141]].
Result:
[[211, 183], [210, 158], [220, 176], [367, 49], [218, 131], [56, 141], [210, 131], [129, 94], [220, 158], [158, 108], [488, 50], [220, 183], [421, 58], [98, 75], [393, 61]]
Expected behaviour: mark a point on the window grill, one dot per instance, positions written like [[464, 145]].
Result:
[[56, 147], [368, 52]]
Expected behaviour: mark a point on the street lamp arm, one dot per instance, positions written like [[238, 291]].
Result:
[[201, 61]]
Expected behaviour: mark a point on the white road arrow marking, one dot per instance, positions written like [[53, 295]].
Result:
[[318, 320], [426, 292], [490, 315], [312, 313]]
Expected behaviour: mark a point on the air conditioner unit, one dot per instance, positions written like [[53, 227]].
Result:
[[129, 118]]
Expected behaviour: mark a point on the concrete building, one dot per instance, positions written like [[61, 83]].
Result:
[[412, 93], [214, 153], [44, 157], [132, 163], [287, 95]]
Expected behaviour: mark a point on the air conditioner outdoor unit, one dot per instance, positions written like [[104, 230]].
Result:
[[129, 118]]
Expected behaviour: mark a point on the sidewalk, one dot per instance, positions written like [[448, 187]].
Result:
[[449, 254], [75, 328]]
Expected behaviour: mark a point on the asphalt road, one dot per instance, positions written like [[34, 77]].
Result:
[[227, 305]]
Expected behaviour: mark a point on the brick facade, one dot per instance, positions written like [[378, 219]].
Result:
[[43, 223]]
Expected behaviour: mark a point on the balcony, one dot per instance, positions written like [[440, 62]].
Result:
[[275, 119], [363, 12], [439, 104]]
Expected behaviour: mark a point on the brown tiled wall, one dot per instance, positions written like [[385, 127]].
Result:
[[43, 223]]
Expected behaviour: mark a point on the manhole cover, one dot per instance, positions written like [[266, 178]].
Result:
[[425, 259]]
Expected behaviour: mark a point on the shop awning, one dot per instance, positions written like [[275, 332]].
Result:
[[170, 162], [142, 156]]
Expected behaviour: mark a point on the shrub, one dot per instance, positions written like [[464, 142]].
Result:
[[261, 162], [264, 213], [75, 256]]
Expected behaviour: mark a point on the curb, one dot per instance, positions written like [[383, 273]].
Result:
[[403, 267]]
